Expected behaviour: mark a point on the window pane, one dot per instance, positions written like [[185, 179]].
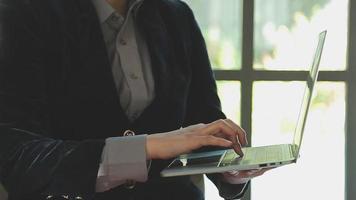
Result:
[[275, 112], [286, 32], [221, 24], [230, 97], [229, 93]]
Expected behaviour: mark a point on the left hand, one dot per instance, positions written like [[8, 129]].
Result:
[[240, 177]]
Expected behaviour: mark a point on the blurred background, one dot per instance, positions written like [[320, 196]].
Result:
[[261, 51]]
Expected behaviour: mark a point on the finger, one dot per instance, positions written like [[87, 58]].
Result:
[[252, 173], [247, 174], [258, 170], [221, 127], [236, 143], [239, 136], [241, 133], [232, 173], [267, 169], [217, 127], [235, 179], [214, 141], [257, 173]]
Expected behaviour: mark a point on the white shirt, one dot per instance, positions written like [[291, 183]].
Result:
[[124, 158]]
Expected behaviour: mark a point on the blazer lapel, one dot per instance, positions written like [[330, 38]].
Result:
[[158, 41], [92, 75]]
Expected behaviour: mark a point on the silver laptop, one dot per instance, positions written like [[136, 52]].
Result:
[[254, 157]]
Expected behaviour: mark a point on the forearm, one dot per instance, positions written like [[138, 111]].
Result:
[[34, 165]]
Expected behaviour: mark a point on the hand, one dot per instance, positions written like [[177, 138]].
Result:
[[223, 133], [240, 177]]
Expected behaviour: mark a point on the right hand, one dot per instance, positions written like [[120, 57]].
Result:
[[223, 133]]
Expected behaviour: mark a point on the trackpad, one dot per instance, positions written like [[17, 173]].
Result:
[[201, 159]]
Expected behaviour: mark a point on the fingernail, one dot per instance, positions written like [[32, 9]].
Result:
[[241, 153], [238, 151]]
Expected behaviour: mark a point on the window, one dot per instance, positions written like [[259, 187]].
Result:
[[223, 35], [260, 52]]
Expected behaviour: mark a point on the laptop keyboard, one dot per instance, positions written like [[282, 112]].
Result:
[[229, 158], [273, 153], [257, 155]]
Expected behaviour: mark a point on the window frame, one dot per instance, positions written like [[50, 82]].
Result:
[[247, 75]]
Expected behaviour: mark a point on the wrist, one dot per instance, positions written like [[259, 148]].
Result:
[[151, 144]]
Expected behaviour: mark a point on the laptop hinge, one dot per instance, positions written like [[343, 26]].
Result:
[[293, 150]]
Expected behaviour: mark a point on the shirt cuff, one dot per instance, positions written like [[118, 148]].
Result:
[[123, 158]]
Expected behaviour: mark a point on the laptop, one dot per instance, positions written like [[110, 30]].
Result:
[[254, 157]]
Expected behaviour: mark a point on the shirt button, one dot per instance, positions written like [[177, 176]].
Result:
[[122, 41], [130, 184], [115, 18], [133, 76], [129, 133]]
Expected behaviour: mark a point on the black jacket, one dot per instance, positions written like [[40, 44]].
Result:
[[58, 100]]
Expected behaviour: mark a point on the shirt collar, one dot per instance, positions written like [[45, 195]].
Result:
[[105, 10]]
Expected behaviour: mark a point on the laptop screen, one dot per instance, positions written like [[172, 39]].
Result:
[[310, 83]]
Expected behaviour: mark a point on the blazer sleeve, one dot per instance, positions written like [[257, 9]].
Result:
[[203, 102], [31, 163]]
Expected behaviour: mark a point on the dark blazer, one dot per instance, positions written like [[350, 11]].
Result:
[[58, 100]]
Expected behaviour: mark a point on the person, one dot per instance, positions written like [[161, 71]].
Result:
[[98, 96]]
